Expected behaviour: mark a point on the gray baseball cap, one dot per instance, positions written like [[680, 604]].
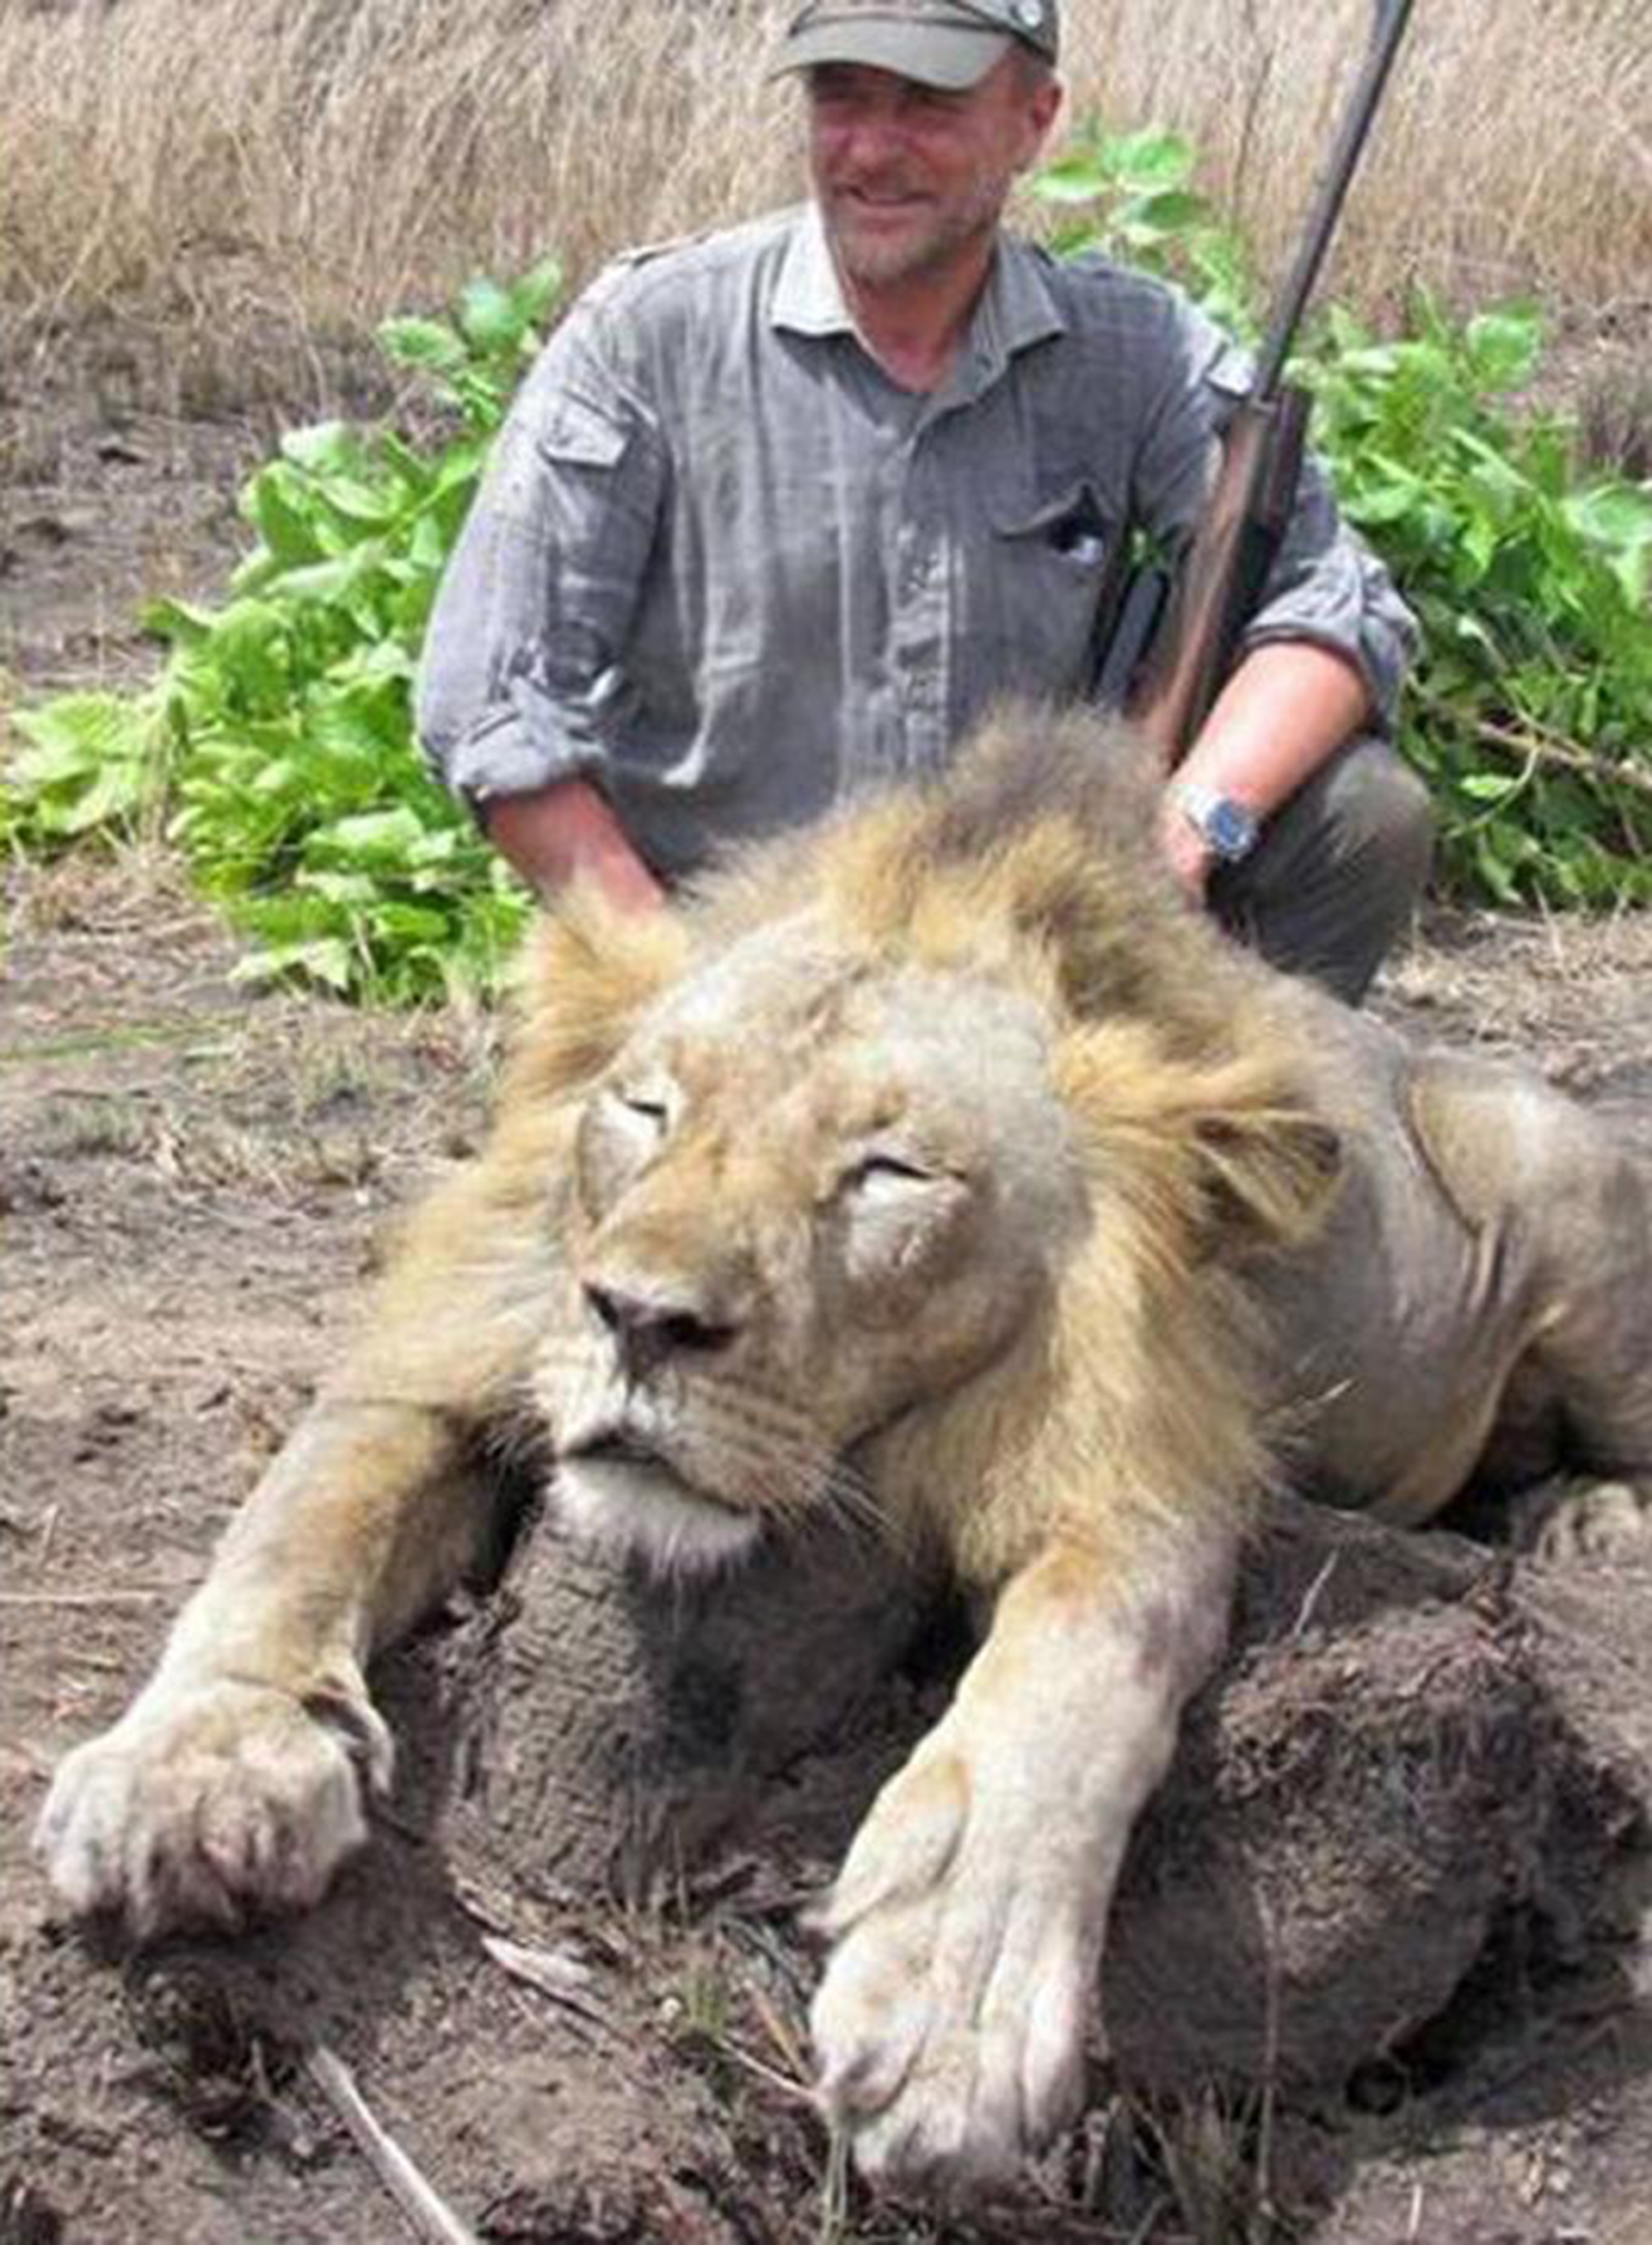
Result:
[[941, 43]]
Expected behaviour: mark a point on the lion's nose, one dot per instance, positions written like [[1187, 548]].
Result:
[[649, 1328]]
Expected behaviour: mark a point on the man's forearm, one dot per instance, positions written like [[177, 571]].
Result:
[[553, 834], [1288, 706]]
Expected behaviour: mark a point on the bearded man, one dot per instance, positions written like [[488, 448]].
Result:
[[780, 511]]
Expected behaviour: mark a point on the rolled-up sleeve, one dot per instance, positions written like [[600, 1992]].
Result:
[[539, 592], [1325, 585]]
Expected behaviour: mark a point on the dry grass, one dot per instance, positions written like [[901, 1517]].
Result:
[[321, 162], [295, 168], [1514, 151]]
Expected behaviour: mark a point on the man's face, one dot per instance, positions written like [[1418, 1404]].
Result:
[[908, 177]]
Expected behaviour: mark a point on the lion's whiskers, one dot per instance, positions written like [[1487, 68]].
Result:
[[750, 1447]]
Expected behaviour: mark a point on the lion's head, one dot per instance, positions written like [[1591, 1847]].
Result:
[[914, 1171]]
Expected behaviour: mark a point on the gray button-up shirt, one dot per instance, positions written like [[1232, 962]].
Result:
[[723, 566]]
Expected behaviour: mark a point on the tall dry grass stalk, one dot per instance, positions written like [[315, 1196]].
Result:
[[302, 167]]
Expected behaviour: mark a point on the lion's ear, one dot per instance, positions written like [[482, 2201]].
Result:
[[587, 972], [1226, 1149], [1269, 1174]]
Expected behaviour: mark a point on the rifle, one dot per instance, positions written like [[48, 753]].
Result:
[[1166, 643]]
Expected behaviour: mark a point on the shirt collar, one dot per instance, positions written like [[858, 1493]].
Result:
[[808, 297], [1016, 307]]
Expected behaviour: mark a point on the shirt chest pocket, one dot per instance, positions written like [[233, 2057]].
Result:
[[1049, 563]]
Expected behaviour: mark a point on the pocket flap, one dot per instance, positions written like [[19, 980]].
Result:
[[580, 435], [1072, 523]]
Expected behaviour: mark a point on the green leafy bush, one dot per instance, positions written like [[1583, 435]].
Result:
[[276, 748], [1531, 711], [1132, 195]]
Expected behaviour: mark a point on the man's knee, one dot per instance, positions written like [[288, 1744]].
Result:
[[1377, 813], [1338, 871]]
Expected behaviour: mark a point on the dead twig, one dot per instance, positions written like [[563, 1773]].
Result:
[[82, 1598], [1305, 1613], [780, 2033], [428, 2213], [785, 2084], [553, 1972], [1537, 746]]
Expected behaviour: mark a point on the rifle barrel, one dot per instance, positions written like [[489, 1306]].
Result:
[[1387, 31]]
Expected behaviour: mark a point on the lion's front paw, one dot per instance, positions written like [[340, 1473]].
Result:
[[1575, 1518], [204, 1803], [949, 2023]]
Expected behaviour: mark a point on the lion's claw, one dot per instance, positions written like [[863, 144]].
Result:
[[204, 1805]]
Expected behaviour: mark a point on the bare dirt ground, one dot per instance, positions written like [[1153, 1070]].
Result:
[[193, 1182]]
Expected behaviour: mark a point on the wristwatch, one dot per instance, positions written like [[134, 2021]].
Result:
[[1230, 830]]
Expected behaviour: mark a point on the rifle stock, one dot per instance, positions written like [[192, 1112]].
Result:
[[1223, 572]]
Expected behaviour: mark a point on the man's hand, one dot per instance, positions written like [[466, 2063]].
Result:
[[553, 833], [1189, 855], [1284, 710], [1287, 706]]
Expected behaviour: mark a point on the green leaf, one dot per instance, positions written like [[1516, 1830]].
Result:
[[1490, 787], [431, 344], [1151, 159], [248, 646], [1617, 517], [371, 835], [93, 765], [338, 887], [326, 448], [79, 732], [537, 290], [1166, 212], [1504, 346], [1078, 178], [489, 316], [1613, 513], [409, 924], [1388, 491], [179, 620], [356, 503], [326, 959], [281, 518]]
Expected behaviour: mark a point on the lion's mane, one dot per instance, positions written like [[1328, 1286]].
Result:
[[1176, 1058]]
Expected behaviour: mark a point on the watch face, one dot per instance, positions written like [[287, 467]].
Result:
[[1230, 828]]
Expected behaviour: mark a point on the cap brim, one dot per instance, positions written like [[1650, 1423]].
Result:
[[952, 56]]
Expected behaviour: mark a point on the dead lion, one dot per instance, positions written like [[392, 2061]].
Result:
[[939, 1163]]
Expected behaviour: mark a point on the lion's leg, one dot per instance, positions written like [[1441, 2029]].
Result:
[[236, 1778], [1593, 1359], [969, 1916], [1562, 1208], [1592, 1351]]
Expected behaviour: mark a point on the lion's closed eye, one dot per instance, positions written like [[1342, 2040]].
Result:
[[651, 1110], [886, 1172], [619, 1130], [898, 1214]]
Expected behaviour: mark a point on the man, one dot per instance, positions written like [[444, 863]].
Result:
[[780, 511]]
